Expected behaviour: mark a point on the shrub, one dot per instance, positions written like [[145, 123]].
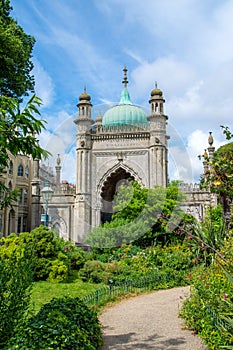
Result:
[[46, 247], [209, 303], [15, 288], [63, 323], [58, 271], [92, 271]]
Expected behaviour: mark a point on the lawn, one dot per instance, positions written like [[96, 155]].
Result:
[[43, 291]]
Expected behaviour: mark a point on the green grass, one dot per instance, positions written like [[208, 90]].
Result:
[[43, 291]]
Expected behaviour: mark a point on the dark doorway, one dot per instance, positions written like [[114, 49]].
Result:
[[109, 190]]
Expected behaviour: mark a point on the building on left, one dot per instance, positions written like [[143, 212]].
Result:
[[24, 215]]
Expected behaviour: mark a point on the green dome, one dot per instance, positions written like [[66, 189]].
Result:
[[124, 113]]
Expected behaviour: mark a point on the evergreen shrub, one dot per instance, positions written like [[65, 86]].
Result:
[[63, 323]]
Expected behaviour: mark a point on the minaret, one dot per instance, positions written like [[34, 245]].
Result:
[[205, 163], [82, 210], [158, 139], [208, 156], [211, 149], [58, 171]]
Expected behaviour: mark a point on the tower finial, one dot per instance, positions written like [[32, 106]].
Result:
[[58, 159], [156, 85], [125, 80], [210, 139]]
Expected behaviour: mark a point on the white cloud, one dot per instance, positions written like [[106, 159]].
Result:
[[184, 161], [183, 45], [161, 70], [44, 87]]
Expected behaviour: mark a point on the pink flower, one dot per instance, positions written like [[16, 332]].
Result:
[[225, 296]]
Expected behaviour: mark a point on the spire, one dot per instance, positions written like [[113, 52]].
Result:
[[125, 80], [125, 97], [58, 159]]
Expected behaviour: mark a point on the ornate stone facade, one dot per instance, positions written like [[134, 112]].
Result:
[[123, 144]]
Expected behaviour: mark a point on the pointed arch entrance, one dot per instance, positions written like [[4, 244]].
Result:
[[118, 176]]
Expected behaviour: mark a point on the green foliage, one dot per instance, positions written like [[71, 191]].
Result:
[[176, 260], [58, 271], [17, 135], [142, 216], [218, 178], [15, 56], [92, 271], [209, 304], [96, 271], [15, 289], [17, 128], [129, 262], [53, 258], [222, 174], [44, 291], [64, 323], [206, 238]]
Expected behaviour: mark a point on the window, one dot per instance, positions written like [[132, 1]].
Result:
[[25, 196], [10, 168], [19, 224], [24, 224], [26, 172], [10, 185], [20, 170]]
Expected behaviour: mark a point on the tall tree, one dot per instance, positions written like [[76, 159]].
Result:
[[222, 179], [142, 216], [219, 176], [15, 56], [17, 127]]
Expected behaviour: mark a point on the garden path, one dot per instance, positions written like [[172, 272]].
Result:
[[148, 321]]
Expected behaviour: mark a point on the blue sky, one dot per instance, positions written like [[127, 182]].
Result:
[[184, 45]]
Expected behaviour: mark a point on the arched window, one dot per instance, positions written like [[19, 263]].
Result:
[[10, 168], [20, 170], [26, 172]]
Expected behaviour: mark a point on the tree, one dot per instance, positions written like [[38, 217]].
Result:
[[17, 128], [222, 179], [219, 176], [142, 216], [15, 56], [17, 135]]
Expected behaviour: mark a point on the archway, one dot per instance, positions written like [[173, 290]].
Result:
[[109, 189]]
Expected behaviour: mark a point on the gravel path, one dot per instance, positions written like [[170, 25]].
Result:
[[148, 322]]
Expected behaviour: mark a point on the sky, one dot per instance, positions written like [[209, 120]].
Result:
[[184, 45]]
